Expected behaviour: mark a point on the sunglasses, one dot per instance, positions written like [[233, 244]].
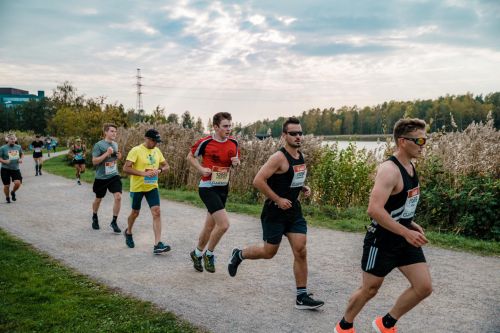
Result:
[[418, 141], [299, 133]]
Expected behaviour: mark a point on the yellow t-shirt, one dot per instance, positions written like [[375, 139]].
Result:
[[144, 159]]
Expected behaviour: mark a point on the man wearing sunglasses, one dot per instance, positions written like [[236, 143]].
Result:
[[393, 239], [281, 179]]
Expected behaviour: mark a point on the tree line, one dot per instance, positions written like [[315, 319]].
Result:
[[448, 112]]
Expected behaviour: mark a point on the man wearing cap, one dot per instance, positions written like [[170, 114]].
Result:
[[11, 155], [144, 163], [104, 158]]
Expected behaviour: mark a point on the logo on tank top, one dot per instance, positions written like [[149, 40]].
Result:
[[299, 175]]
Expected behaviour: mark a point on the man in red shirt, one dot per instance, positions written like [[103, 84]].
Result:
[[219, 153]]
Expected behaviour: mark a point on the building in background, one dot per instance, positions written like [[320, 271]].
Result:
[[10, 97]]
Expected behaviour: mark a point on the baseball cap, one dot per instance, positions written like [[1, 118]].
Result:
[[153, 135]]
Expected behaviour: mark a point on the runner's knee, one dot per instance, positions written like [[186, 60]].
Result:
[[118, 196], [370, 291], [269, 253], [155, 211], [424, 290], [300, 252]]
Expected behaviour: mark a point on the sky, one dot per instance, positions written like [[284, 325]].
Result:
[[257, 59]]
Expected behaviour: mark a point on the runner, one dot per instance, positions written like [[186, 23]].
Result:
[[38, 154], [77, 154], [104, 157], [11, 155], [281, 179], [144, 163], [48, 144], [393, 239], [220, 152]]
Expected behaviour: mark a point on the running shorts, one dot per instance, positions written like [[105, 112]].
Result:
[[113, 184], [214, 197], [277, 222], [8, 174], [152, 197]]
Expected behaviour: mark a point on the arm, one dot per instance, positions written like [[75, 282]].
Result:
[[196, 164], [385, 183], [164, 166], [100, 159], [128, 168], [272, 165]]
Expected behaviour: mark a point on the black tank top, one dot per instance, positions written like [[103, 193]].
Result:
[[402, 206], [289, 184]]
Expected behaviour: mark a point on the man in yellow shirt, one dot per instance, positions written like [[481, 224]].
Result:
[[144, 163]]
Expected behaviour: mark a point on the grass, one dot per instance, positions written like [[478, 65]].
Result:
[[351, 220], [37, 294]]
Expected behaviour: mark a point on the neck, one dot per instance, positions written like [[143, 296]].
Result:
[[108, 140], [402, 157], [218, 137], [294, 151]]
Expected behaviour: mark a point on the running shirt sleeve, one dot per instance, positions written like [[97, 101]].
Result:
[[161, 158], [96, 152], [198, 149], [132, 155]]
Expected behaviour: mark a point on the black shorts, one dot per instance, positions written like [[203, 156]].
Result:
[[214, 197], [381, 260], [8, 174], [37, 154], [113, 184], [79, 161], [152, 197], [277, 222]]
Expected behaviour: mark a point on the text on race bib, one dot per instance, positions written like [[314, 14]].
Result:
[[110, 167], [38, 150], [150, 180], [79, 156], [411, 203], [299, 175], [220, 176], [13, 155]]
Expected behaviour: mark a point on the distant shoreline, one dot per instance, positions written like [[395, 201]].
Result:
[[356, 137]]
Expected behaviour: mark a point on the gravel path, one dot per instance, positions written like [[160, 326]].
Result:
[[53, 214]]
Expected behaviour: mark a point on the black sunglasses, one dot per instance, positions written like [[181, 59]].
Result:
[[418, 141], [299, 133]]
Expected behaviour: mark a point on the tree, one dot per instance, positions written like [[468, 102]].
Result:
[[173, 118], [187, 120], [199, 125]]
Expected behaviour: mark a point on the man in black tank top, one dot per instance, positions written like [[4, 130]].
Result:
[[393, 239], [281, 179]]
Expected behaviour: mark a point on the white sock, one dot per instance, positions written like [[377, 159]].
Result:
[[209, 253], [197, 252]]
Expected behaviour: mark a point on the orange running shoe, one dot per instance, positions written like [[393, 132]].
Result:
[[379, 327], [338, 329]]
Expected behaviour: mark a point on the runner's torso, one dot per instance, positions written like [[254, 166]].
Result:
[[289, 184], [37, 146]]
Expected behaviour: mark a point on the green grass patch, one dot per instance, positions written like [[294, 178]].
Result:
[[37, 294], [353, 219]]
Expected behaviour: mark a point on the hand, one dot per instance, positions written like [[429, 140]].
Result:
[[205, 172], [307, 191], [418, 228], [5, 161], [284, 203], [119, 155], [110, 151], [235, 161], [415, 238], [151, 173]]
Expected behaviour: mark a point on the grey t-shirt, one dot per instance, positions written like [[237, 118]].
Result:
[[107, 168], [11, 153]]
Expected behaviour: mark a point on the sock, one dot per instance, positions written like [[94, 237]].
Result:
[[94, 215], [301, 292], [36, 168], [114, 218], [198, 252], [40, 167], [389, 321], [240, 255], [209, 253], [344, 324]]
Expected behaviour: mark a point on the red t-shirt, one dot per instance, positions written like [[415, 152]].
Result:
[[216, 154]]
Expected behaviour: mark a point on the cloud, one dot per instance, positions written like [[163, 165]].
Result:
[[135, 25]]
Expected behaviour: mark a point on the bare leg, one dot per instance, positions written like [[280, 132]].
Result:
[[117, 203], [155, 211], [298, 244], [6, 190], [131, 219], [362, 295], [221, 225], [96, 204], [266, 251], [17, 185], [205, 232]]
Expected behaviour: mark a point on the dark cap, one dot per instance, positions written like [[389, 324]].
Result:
[[153, 135]]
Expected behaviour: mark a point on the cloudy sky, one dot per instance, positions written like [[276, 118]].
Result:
[[257, 59]]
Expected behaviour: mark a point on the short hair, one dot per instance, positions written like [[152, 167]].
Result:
[[219, 116], [405, 126], [106, 126], [37, 136], [290, 120]]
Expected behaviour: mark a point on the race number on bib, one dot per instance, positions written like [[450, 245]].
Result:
[[110, 167], [411, 203], [220, 176], [150, 180], [299, 175], [38, 150], [79, 156], [13, 155]]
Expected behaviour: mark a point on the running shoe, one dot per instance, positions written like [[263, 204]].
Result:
[[13, 195], [40, 172], [161, 248], [196, 261], [115, 227], [306, 302], [79, 182], [338, 329], [95, 222], [209, 262], [234, 262], [7, 199], [379, 327], [128, 239]]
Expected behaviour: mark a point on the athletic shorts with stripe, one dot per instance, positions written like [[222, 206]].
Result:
[[380, 260]]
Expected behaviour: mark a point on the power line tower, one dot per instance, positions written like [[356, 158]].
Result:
[[139, 107]]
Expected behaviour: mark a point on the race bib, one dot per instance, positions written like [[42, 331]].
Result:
[[299, 175], [220, 176], [411, 203], [38, 150], [79, 156], [150, 180], [13, 155], [110, 167]]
